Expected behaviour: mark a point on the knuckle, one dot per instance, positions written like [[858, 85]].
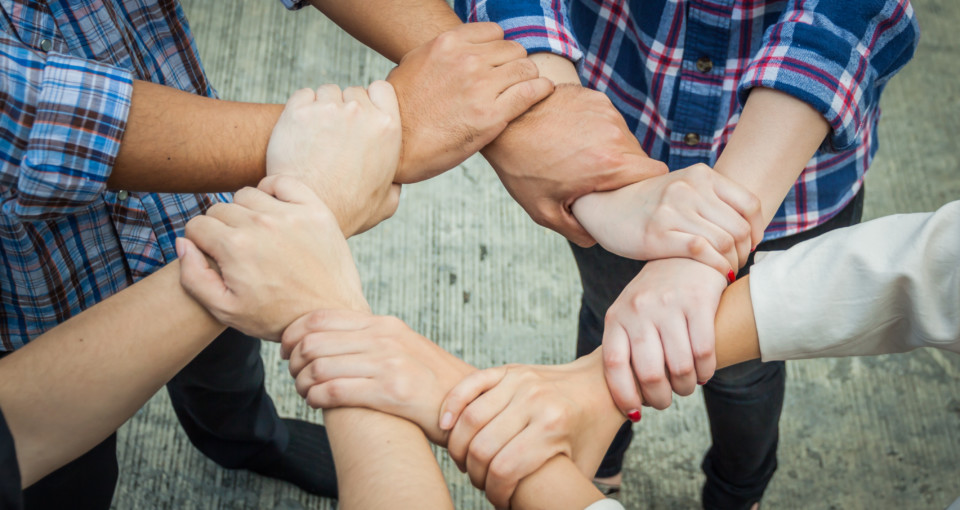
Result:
[[703, 352], [651, 378], [682, 368], [481, 451], [501, 470], [725, 243]]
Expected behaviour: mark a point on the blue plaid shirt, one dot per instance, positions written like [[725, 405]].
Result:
[[679, 72], [66, 71]]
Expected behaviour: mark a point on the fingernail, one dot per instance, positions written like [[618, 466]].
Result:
[[701, 383], [446, 421], [634, 415], [178, 243], [731, 276]]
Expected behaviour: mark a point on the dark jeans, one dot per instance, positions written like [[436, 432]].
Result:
[[743, 401], [222, 405]]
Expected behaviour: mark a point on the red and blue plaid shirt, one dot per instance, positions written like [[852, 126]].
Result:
[[680, 70], [66, 71]]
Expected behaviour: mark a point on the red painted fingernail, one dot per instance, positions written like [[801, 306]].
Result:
[[634, 415], [701, 383], [731, 276]]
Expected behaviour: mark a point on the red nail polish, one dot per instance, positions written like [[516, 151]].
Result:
[[731, 276], [701, 383], [634, 415]]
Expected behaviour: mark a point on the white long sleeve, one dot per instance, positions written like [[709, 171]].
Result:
[[888, 285]]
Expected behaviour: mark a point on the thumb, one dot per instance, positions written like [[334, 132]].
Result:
[[201, 281]]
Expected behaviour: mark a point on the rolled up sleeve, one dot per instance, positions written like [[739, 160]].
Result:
[[63, 118], [541, 26], [836, 56]]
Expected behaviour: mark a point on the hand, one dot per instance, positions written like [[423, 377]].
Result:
[[457, 93], [278, 258], [345, 146], [573, 143], [511, 420], [663, 318], [350, 359], [691, 213]]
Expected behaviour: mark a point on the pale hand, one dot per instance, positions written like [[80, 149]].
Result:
[[511, 420], [571, 144], [660, 333], [345, 146], [350, 359], [457, 93], [693, 213], [280, 254]]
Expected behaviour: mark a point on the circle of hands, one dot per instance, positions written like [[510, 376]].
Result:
[[275, 263]]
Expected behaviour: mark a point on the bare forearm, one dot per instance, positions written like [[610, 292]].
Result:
[[383, 462], [73, 386], [776, 136], [184, 143], [391, 27]]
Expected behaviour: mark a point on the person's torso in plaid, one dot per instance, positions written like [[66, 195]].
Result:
[[66, 71], [679, 71]]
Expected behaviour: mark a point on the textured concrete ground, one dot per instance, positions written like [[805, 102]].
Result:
[[462, 264]]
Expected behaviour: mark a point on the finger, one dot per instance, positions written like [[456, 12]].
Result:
[[473, 418], [326, 369], [384, 97], [322, 320], [514, 72], [466, 391], [700, 323], [231, 215], [744, 202], [329, 93], [648, 364], [348, 392], [682, 244], [357, 95], [491, 439], [325, 344], [301, 97], [480, 32], [618, 371], [521, 457], [719, 238], [518, 98], [200, 280], [289, 189], [208, 234], [678, 354], [729, 221], [256, 200], [497, 53]]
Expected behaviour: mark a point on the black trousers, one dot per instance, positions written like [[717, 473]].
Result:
[[743, 401], [222, 405]]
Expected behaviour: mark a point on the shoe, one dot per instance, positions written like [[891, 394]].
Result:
[[307, 461]]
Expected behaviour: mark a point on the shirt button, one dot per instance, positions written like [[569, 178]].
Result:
[[704, 64], [691, 139], [46, 44], [122, 194]]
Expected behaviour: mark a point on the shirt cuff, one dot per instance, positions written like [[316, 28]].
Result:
[[293, 5], [537, 29], [605, 504], [821, 68], [81, 115]]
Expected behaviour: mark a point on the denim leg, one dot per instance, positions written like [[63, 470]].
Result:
[[223, 406], [604, 275], [743, 404]]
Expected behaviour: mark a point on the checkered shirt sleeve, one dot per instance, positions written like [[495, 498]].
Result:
[[539, 25], [835, 56], [63, 120]]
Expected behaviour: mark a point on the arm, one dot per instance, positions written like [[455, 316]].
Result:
[[73, 386]]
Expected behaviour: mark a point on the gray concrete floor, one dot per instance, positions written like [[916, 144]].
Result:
[[462, 264]]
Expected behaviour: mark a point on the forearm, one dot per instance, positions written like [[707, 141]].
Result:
[[184, 143], [73, 386], [383, 462], [776, 136], [391, 27]]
